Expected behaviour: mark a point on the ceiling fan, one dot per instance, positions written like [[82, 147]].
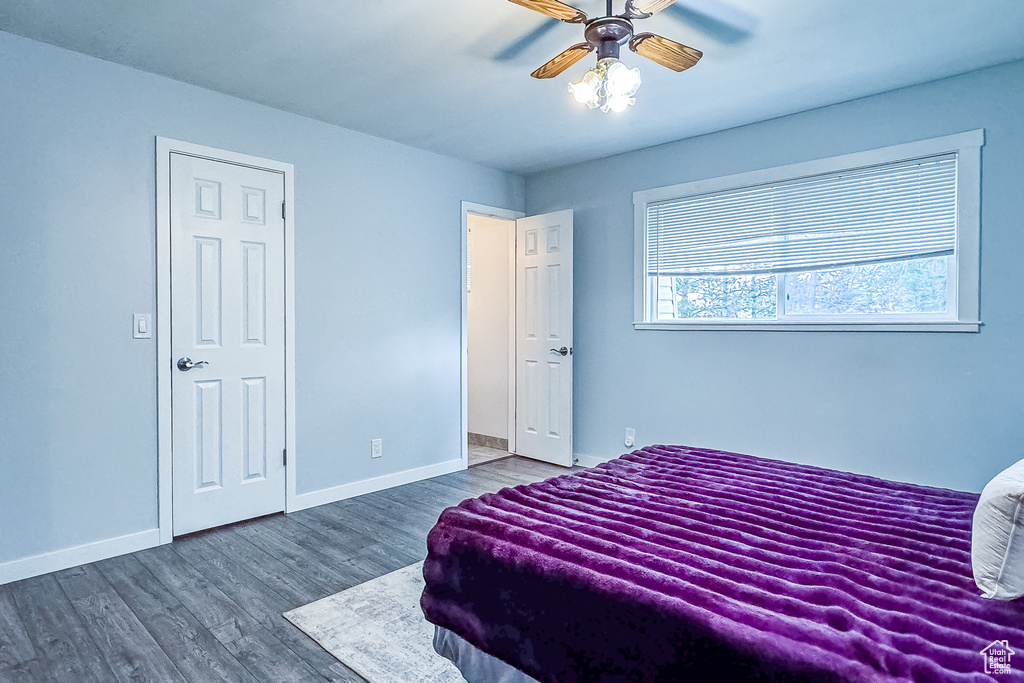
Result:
[[611, 85]]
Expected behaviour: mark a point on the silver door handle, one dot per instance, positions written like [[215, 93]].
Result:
[[187, 364], [564, 351]]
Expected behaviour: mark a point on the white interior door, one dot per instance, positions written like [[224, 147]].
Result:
[[227, 317], [544, 337]]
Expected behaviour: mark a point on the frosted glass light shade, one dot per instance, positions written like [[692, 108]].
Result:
[[586, 90], [621, 80], [617, 103]]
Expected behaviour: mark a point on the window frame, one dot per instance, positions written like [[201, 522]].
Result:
[[963, 277]]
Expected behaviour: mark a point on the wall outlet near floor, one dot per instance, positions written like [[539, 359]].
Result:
[[376, 448], [630, 437]]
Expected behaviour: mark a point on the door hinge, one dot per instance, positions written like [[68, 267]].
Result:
[[284, 457], [282, 211]]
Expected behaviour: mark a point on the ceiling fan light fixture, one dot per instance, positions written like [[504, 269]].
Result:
[[617, 103], [621, 80], [587, 89], [610, 85]]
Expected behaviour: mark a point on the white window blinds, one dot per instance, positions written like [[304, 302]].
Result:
[[865, 215]]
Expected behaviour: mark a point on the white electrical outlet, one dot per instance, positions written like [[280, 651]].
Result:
[[630, 437], [376, 448]]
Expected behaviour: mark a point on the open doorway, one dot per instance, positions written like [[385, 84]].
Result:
[[519, 275], [490, 343]]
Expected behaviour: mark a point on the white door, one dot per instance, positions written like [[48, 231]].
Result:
[[227, 318], [544, 337]]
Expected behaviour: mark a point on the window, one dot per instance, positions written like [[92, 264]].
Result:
[[879, 240]]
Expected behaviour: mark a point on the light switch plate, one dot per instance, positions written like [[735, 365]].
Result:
[[142, 326]]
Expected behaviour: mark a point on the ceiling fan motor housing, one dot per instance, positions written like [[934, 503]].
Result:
[[607, 34]]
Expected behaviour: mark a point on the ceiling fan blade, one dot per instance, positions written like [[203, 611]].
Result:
[[554, 9], [675, 56], [651, 6], [563, 61]]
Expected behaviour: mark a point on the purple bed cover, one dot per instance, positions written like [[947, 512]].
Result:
[[687, 564]]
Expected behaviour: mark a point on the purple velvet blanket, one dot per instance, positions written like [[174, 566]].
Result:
[[686, 564]]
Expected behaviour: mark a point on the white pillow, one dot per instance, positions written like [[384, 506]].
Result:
[[997, 538]]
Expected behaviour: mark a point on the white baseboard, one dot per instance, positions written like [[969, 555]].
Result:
[[27, 567], [587, 460], [307, 500]]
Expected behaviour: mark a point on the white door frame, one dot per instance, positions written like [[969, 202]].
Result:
[[506, 214], [164, 148]]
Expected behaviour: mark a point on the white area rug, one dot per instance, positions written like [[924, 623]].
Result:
[[377, 629]]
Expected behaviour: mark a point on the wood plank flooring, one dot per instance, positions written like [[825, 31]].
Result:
[[208, 606]]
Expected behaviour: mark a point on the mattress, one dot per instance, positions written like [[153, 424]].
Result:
[[675, 563]]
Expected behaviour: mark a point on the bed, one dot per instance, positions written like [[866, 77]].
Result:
[[685, 564]]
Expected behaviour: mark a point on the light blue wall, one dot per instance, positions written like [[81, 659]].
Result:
[[377, 257], [942, 409]]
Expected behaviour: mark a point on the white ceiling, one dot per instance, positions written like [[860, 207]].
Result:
[[449, 76]]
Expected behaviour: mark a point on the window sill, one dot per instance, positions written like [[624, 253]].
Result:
[[787, 326]]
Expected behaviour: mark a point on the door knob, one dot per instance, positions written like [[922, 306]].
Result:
[[564, 351], [187, 364]]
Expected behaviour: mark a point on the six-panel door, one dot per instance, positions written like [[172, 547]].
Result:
[[227, 309], [544, 337]]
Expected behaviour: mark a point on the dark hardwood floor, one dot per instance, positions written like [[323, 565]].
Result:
[[208, 606]]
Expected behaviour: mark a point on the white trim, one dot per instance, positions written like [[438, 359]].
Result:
[[291, 464], [510, 430], [883, 155], [506, 214], [966, 275], [164, 148], [769, 326], [639, 258], [386, 481], [36, 565], [163, 337], [587, 460], [968, 232]]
